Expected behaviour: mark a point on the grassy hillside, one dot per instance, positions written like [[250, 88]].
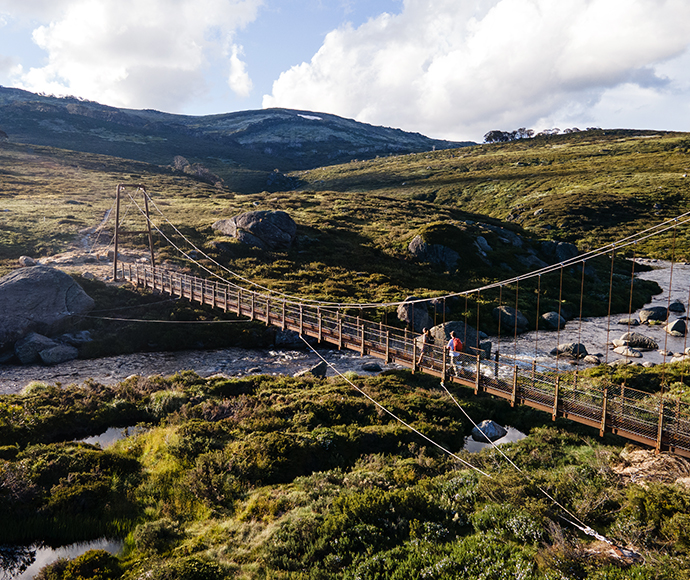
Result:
[[589, 188], [351, 246]]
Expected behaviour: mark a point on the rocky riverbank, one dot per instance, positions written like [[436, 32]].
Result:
[[232, 362]]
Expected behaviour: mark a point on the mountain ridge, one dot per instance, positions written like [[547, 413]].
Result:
[[241, 147]]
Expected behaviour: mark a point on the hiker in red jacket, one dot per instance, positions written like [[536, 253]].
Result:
[[455, 347]]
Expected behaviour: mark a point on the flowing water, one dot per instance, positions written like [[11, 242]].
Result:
[[597, 333]]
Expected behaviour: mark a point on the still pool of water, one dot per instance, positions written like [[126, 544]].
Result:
[[112, 435], [45, 556], [513, 435]]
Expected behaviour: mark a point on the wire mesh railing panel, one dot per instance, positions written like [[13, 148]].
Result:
[[583, 403]]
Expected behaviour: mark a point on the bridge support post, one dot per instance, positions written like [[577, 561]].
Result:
[[660, 430], [554, 414], [513, 397], [414, 356], [478, 376], [602, 429], [340, 332], [443, 368], [388, 346], [301, 319], [362, 350], [496, 365], [239, 301], [253, 296], [282, 323], [318, 311]]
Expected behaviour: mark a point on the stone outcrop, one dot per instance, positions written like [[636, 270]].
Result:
[[38, 299], [268, 230], [436, 254]]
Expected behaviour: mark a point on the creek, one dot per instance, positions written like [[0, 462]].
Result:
[[594, 333]]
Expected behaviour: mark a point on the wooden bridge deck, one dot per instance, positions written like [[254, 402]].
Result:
[[650, 419]]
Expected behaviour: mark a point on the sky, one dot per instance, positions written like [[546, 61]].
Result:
[[449, 69]]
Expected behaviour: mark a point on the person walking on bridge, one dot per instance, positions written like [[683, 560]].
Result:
[[426, 340], [455, 347]]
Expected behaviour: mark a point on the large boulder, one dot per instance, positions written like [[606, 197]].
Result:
[[28, 348], [552, 321], [415, 314], [511, 320], [639, 341], [570, 350], [38, 299], [654, 313], [474, 342], [268, 230], [58, 354], [676, 328], [436, 254]]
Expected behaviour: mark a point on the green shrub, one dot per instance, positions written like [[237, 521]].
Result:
[[157, 537]]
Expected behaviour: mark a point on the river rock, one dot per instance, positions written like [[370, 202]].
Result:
[[655, 313], [436, 254], [627, 352], [570, 349], [488, 430], [676, 328], [415, 314], [639, 341], [629, 322], [28, 348], [58, 354], [268, 230], [38, 299], [372, 367], [26, 261], [676, 306], [75, 338], [318, 371], [552, 321], [511, 320], [592, 359]]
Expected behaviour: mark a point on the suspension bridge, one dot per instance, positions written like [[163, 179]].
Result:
[[653, 419]]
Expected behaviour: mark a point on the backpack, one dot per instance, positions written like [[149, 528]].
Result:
[[457, 344]]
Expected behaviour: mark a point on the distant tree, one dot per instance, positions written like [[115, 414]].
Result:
[[497, 137], [523, 133], [572, 130], [554, 131]]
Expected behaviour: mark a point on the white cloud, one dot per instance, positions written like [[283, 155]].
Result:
[[457, 69], [239, 80], [135, 53]]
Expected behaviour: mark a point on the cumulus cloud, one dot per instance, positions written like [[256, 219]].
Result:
[[456, 69], [132, 53], [239, 80]]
